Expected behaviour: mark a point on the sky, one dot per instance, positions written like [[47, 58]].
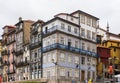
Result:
[[105, 10]]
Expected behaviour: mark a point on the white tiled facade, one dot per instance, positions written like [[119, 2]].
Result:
[[63, 33]]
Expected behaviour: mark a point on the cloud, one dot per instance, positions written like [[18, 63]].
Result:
[[106, 10]]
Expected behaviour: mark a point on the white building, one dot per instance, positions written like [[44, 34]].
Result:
[[69, 47]]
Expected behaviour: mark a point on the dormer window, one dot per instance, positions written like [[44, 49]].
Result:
[[37, 26], [21, 25]]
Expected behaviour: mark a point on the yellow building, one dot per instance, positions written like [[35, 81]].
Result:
[[105, 39], [114, 45], [113, 42]]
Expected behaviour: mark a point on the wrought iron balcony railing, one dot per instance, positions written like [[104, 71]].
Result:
[[6, 63], [68, 48], [9, 42], [35, 45], [59, 28], [9, 72], [4, 52], [19, 52], [22, 63], [34, 31]]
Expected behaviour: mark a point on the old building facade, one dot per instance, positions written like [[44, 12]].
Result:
[[35, 50], [22, 53], [69, 47]]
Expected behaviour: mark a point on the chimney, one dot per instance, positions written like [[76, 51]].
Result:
[[107, 27], [20, 19]]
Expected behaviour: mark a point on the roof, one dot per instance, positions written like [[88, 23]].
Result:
[[58, 18], [39, 21], [11, 31], [112, 41], [100, 46], [79, 11], [102, 29], [24, 21], [9, 26], [117, 35], [65, 14]]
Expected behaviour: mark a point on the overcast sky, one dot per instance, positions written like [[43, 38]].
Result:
[[106, 10]]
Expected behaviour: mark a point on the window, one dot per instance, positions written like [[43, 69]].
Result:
[[62, 26], [69, 58], [62, 72], [83, 60], [88, 21], [72, 19], [32, 55], [93, 50], [76, 44], [53, 24], [39, 72], [76, 60], [49, 57], [114, 49], [53, 72], [53, 39], [36, 38], [70, 72], [88, 34], [21, 25], [62, 40], [62, 57], [39, 51], [93, 36], [44, 73], [53, 56], [69, 28], [82, 19], [75, 30], [83, 46], [35, 55], [88, 59], [76, 73], [37, 26], [93, 60], [88, 48], [118, 44], [39, 36], [88, 74], [82, 32], [93, 75], [93, 23]]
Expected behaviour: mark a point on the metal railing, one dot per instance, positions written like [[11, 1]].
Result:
[[69, 48]]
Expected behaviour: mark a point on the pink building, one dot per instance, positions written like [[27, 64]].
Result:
[[6, 52], [11, 55]]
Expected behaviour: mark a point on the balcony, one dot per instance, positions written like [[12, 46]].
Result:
[[59, 28], [25, 63], [6, 63], [35, 45], [19, 52], [12, 41], [4, 52], [34, 31], [8, 52], [9, 72], [13, 62], [68, 48], [19, 29], [12, 51], [94, 54], [19, 64]]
